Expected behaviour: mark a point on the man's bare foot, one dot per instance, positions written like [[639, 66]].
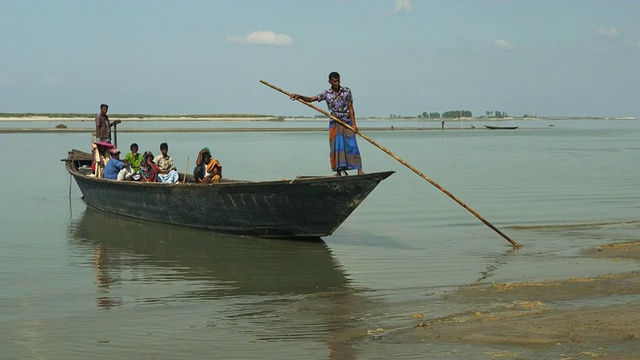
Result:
[[360, 172], [338, 173]]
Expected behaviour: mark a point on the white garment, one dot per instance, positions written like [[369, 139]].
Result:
[[125, 173], [170, 178]]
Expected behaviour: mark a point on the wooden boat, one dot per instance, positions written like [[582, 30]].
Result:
[[501, 127], [306, 206]]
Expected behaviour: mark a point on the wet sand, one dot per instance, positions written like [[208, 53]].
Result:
[[595, 317]]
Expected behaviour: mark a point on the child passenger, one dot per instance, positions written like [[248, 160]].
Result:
[[148, 170], [126, 172]]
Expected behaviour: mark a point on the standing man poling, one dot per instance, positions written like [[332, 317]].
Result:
[[103, 125], [345, 154]]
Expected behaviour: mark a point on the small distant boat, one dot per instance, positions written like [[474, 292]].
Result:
[[501, 127], [303, 207]]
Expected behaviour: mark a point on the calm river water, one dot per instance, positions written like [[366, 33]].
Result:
[[78, 284]]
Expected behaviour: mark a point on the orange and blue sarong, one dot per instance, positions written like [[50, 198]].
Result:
[[345, 154]]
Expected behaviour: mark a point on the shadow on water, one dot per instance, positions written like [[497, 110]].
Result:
[[299, 283], [222, 265]]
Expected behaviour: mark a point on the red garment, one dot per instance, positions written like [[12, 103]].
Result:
[[148, 171]]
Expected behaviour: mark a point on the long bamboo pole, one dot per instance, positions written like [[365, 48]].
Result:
[[115, 135], [186, 169], [513, 242]]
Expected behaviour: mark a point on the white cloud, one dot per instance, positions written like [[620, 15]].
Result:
[[262, 38], [607, 32], [504, 44], [402, 6]]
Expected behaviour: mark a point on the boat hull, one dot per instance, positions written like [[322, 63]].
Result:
[[301, 207], [490, 127]]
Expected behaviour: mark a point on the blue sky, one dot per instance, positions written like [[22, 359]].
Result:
[[541, 57]]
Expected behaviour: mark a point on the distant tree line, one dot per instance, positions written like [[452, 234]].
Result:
[[432, 115], [446, 115], [496, 114], [396, 116], [462, 113]]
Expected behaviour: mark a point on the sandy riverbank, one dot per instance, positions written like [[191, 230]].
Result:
[[598, 316]]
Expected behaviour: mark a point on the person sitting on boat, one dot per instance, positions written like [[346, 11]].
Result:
[[166, 171], [148, 170], [114, 165], [100, 152], [134, 157], [208, 169], [126, 172]]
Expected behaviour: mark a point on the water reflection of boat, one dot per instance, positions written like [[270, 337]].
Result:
[[272, 290], [301, 207], [220, 265]]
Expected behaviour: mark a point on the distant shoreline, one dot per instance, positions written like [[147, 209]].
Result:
[[266, 118], [211, 130], [128, 119], [134, 122]]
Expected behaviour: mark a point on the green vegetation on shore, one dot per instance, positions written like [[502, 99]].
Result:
[[452, 114]]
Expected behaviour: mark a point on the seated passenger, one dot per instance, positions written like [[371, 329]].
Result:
[[113, 166], [148, 169], [100, 157], [208, 169], [134, 157], [166, 171], [126, 172]]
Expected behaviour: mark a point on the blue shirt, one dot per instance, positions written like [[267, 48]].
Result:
[[112, 169]]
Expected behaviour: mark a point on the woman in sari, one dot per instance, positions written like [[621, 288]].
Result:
[[148, 170], [345, 154]]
